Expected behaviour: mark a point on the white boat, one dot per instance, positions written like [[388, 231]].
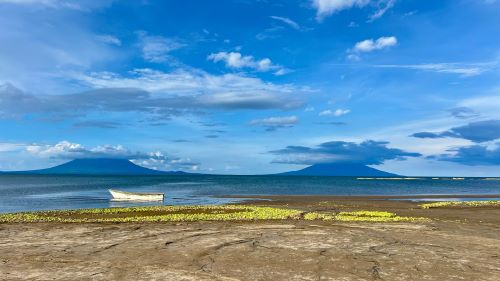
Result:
[[135, 196]]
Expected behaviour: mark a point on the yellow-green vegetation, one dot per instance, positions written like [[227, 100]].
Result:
[[489, 203], [156, 214], [375, 216], [362, 216], [197, 213], [318, 216]]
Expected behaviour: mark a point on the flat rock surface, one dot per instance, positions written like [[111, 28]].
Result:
[[457, 244]]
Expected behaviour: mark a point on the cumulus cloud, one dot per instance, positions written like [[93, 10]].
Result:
[[473, 155], [481, 131], [370, 45], [336, 113], [157, 49], [367, 152], [237, 60], [68, 150], [273, 123]]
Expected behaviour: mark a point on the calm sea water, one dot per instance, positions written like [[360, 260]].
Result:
[[30, 192]]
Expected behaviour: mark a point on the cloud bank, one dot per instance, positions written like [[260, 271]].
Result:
[[480, 131], [474, 155], [154, 93], [367, 152]]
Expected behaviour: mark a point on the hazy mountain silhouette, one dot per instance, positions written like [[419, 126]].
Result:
[[100, 166], [339, 170]]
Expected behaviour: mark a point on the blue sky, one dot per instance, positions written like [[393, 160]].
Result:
[[248, 87]]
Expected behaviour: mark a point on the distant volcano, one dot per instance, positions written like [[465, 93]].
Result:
[[339, 170], [100, 166]]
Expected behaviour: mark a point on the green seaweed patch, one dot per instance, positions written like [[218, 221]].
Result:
[[157, 214], [448, 204]]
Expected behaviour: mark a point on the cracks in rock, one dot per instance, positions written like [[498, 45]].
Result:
[[106, 248], [376, 270], [319, 270], [167, 243], [205, 260]]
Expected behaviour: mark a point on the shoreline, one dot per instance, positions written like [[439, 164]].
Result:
[[260, 199], [361, 197]]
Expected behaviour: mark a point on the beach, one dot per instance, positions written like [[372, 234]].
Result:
[[453, 243]]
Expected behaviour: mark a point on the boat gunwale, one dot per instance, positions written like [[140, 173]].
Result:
[[135, 193]]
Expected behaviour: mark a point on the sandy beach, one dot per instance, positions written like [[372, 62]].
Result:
[[456, 244]]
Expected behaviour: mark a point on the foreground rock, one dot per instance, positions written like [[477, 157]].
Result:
[[444, 249]]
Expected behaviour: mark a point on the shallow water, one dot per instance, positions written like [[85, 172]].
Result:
[[35, 192]]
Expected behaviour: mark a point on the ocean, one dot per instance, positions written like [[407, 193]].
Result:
[[43, 192]]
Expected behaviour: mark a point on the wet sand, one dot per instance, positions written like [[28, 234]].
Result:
[[458, 244]]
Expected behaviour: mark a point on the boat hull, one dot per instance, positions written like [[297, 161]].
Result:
[[133, 196]]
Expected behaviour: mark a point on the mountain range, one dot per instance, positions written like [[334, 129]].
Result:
[[108, 166]]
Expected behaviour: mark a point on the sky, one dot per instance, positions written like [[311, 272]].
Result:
[[252, 87]]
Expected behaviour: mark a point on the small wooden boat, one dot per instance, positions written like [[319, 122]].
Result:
[[135, 196]]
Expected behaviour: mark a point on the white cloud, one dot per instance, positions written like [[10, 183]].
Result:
[[353, 57], [369, 45], [288, 120], [273, 123], [157, 48], [464, 70], [7, 147], [153, 93], [287, 21], [64, 4], [237, 60], [186, 83], [67, 150], [327, 7], [37, 50], [487, 105], [109, 39], [384, 6], [336, 113]]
